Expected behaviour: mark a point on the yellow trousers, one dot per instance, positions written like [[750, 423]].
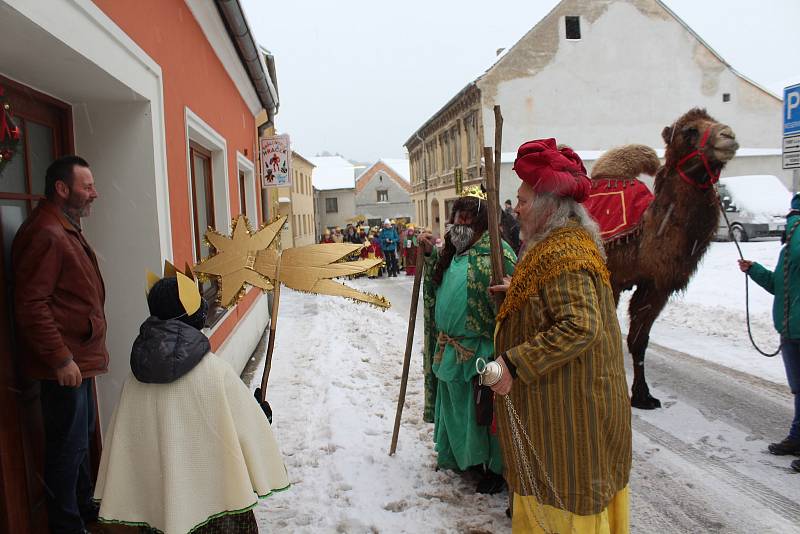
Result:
[[531, 516]]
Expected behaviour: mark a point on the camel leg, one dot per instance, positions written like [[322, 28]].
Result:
[[646, 303]]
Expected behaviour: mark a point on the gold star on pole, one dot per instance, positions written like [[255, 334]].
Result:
[[245, 258], [232, 264]]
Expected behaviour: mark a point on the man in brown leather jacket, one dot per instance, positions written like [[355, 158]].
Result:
[[61, 326]]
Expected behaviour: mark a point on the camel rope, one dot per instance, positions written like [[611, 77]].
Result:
[[786, 262]]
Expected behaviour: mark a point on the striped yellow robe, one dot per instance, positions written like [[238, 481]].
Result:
[[558, 326]]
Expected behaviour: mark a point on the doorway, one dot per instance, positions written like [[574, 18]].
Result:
[[46, 134]]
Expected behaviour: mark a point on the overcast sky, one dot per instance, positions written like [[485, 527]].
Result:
[[359, 77]]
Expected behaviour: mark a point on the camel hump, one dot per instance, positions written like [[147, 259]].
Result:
[[627, 161]]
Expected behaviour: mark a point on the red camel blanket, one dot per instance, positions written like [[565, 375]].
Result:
[[617, 205]]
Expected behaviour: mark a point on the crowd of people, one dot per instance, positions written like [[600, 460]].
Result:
[[189, 448], [395, 242]]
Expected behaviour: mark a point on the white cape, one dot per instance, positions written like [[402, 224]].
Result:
[[178, 454]]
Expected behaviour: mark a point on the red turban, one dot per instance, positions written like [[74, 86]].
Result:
[[545, 168]]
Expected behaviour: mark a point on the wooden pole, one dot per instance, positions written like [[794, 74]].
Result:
[[273, 322], [494, 228], [412, 321], [498, 149]]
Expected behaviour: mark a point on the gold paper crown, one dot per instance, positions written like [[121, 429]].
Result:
[[474, 191], [188, 292]]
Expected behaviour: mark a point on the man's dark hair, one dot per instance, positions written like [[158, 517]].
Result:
[[480, 223], [508, 201], [62, 169]]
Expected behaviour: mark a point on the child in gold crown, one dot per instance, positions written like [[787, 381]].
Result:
[[188, 447]]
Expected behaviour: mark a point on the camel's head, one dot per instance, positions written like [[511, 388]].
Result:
[[699, 147]]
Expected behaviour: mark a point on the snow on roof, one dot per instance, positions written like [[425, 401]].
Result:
[[758, 194], [400, 166], [332, 172], [593, 155]]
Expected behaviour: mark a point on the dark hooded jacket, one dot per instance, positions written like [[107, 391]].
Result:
[[164, 351]]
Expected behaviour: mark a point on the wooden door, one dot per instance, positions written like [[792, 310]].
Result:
[[46, 126]]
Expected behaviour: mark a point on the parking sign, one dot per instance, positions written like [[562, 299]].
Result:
[[791, 127], [791, 110]]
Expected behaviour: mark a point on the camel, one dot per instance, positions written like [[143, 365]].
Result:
[[674, 233]]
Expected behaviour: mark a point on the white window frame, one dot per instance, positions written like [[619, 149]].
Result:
[[247, 167], [200, 132]]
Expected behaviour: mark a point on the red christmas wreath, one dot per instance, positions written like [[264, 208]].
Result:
[[9, 131]]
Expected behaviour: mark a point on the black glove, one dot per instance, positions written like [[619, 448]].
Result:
[[264, 405]]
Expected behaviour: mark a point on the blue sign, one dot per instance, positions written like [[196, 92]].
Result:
[[791, 110]]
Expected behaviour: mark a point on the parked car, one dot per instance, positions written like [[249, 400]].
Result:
[[756, 206]]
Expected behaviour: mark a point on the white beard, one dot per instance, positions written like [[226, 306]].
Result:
[[461, 236]]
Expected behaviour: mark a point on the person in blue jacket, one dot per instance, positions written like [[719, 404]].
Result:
[[389, 239], [784, 283]]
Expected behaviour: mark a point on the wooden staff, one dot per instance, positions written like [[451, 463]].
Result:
[[494, 228], [498, 148], [412, 321], [273, 320]]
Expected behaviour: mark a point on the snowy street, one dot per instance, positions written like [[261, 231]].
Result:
[[700, 462]]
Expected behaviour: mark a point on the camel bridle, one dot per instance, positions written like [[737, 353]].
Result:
[[699, 153]]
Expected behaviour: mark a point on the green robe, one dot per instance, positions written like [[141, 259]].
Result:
[[461, 308]]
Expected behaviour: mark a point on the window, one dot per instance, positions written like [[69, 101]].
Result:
[[242, 194], [203, 211], [383, 195], [726, 97], [471, 125], [444, 142], [455, 143], [248, 190], [331, 205], [202, 197], [573, 27]]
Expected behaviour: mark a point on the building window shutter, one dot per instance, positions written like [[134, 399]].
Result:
[[573, 26]]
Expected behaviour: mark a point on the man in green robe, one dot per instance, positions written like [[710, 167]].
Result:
[[459, 329]]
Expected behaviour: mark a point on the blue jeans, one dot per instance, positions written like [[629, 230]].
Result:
[[391, 261], [790, 350], [69, 418]]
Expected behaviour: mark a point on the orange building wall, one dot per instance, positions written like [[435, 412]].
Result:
[[193, 77]]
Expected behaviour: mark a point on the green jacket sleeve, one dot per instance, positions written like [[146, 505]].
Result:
[[572, 302], [763, 277]]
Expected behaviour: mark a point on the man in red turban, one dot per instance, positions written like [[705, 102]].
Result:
[[549, 169], [560, 348]]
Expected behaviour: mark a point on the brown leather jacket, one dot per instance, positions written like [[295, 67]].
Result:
[[58, 297]]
